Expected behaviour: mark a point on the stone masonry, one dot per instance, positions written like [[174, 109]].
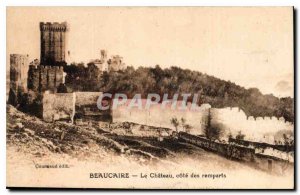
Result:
[[43, 78], [18, 77], [53, 43]]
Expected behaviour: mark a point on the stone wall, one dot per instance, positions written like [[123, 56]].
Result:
[[259, 129], [232, 120], [87, 98], [34, 78], [68, 106], [58, 106], [42, 78], [158, 117], [87, 110], [19, 65]]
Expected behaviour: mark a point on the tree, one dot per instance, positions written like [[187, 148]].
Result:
[[212, 131], [175, 123], [185, 127], [240, 136], [62, 88], [230, 137], [183, 121], [12, 98], [288, 141], [144, 80]]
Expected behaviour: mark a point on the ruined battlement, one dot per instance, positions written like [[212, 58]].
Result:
[[18, 76], [45, 67], [239, 111], [260, 129], [233, 120], [42, 78], [48, 26], [20, 56]]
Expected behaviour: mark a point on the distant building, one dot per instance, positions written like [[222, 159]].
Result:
[[115, 63], [102, 62]]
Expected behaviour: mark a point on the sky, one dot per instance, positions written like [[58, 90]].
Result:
[[251, 46]]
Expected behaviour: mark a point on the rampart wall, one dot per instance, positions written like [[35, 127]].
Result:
[[159, 117], [232, 120], [42, 78], [58, 106], [66, 106], [267, 129]]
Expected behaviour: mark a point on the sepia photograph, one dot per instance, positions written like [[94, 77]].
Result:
[[150, 97]]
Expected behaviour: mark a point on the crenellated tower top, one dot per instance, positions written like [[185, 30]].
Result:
[[55, 26], [53, 44]]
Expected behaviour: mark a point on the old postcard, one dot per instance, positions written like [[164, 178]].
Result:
[[150, 97]]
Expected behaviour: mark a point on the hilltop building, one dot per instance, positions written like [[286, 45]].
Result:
[[115, 63], [102, 62]]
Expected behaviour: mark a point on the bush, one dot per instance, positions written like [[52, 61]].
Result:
[[213, 131], [240, 136]]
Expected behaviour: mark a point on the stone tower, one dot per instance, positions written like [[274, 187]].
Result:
[[103, 55], [18, 77], [53, 43], [49, 74], [19, 66]]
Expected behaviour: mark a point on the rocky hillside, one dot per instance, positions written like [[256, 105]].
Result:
[[31, 142], [32, 135]]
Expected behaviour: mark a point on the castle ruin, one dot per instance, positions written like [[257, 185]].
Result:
[[42, 78], [115, 63], [53, 43], [18, 76], [48, 75]]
